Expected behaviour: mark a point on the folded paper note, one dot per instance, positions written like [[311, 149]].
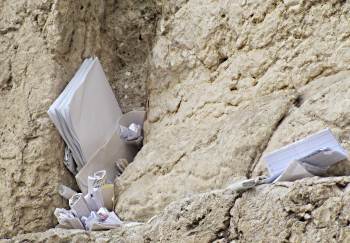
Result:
[[131, 127], [87, 116], [293, 172], [96, 180], [66, 192], [102, 220], [78, 205], [315, 154], [67, 219]]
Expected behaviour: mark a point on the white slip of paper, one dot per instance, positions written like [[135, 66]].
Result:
[[279, 160]]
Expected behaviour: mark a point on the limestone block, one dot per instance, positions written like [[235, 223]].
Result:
[[309, 210], [230, 81], [42, 43]]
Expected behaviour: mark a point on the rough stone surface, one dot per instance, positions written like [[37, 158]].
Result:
[[30, 167], [310, 210], [323, 103], [42, 43], [230, 81]]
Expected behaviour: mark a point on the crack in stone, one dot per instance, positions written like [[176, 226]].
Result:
[[223, 232], [260, 152]]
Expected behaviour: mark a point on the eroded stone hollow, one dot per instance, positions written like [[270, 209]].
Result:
[[42, 45], [224, 83]]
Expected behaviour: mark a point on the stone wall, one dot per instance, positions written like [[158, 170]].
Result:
[[43, 42], [227, 80], [230, 81], [310, 210], [30, 150]]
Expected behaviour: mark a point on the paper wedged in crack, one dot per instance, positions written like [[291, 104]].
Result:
[[42, 44], [210, 59], [231, 81], [308, 210]]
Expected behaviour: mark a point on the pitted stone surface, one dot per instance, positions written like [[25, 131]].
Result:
[[228, 81], [42, 44], [231, 81], [310, 210]]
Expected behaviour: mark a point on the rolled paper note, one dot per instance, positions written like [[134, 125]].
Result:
[[91, 202], [97, 180], [100, 175], [67, 219], [97, 197], [66, 192], [69, 161], [131, 126], [78, 205]]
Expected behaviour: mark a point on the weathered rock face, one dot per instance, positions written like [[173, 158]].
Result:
[[42, 44], [310, 210], [120, 33], [29, 164], [230, 81]]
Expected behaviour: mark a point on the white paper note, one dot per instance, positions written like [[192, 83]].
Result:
[[309, 147], [87, 116], [294, 171]]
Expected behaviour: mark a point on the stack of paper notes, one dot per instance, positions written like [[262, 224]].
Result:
[[87, 116], [310, 156], [93, 211]]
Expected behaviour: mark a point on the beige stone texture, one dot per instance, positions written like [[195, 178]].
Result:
[[29, 164], [42, 43], [228, 81], [231, 81], [310, 210], [323, 103]]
